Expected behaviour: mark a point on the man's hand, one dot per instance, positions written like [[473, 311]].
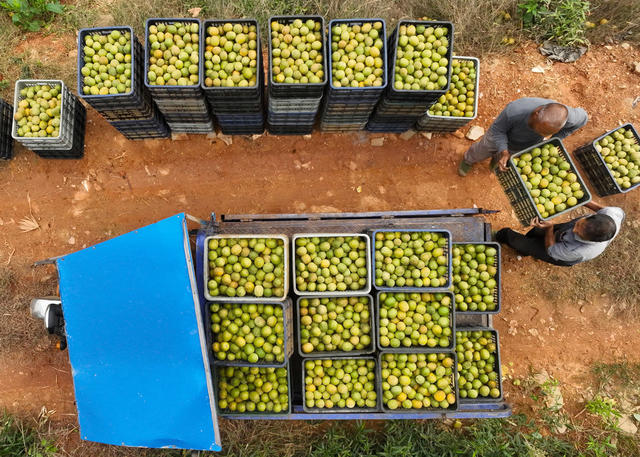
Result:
[[502, 161], [536, 222]]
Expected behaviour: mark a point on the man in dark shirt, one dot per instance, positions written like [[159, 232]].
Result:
[[522, 124]]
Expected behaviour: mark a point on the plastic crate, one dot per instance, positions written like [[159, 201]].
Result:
[[254, 414], [287, 318], [400, 411], [447, 252], [497, 296], [289, 130], [376, 382], [497, 366], [76, 151], [517, 191], [249, 299], [418, 349], [335, 293], [447, 124], [321, 354], [6, 121], [596, 168], [297, 90]]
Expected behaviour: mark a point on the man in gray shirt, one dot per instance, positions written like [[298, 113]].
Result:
[[522, 124], [572, 242]]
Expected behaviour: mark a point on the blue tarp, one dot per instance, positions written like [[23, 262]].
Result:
[[136, 341]]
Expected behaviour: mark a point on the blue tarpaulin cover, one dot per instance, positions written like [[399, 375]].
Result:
[[136, 341]]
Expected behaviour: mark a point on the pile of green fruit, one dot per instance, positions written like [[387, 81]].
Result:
[[231, 55], [331, 263], [459, 101], [421, 62], [474, 277], [38, 111], [417, 381], [335, 324], [548, 176], [340, 383], [297, 54], [253, 267], [357, 55], [107, 63], [253, 389], [174, 54], [415, 320], [621, 153], [411, 259], [477, 360], [250, 332]]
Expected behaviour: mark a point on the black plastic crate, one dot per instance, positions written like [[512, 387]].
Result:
[[596, 168], [6, 123], [496, 366], [289, 130], [297, 90], [77, 150], [497, 295], [518, 194]]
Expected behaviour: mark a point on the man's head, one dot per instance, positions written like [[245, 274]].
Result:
[[598, 227], [547, 120]]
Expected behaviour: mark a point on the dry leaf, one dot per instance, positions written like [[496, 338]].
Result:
[[27, 224], [195, 11], [359, 189]]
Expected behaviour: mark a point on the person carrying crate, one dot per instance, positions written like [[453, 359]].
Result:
[[522, 124], [569, 243]]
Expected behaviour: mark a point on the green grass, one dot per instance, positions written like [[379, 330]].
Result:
[[19, 439]]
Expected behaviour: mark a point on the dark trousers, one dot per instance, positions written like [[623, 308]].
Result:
[[532, 244]]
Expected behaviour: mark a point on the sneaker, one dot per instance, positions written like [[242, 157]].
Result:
[[464, 168]]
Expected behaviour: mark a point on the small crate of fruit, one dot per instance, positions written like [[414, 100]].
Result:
[[337, 326], [459, 105], [294, 38], [612, 161], [251, 334], [476, 277], [543, 182], [6, 121], [246, 268], [415, 322], [412, 259], [331, 264], [252, 391], [479, 371], [340, 384], [414, 383]]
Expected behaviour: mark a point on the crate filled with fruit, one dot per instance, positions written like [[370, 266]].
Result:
[[476, 277], [6, 121], [479, 371]]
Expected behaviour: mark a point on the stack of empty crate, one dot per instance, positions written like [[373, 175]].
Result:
[[238, 110], [399, 109], [184, 107], [349, 108], [6, 142], [69, 143], [293, 108], [134, 114]]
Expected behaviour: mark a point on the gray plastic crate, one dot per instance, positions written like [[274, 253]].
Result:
[[497, 366], [376, 382], [247, 299], [497, 295], [334, 293], [320, 354]]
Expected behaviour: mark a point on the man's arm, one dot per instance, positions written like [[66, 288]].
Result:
[[549, 237], [593, 206], [576, 120], [499, 130]]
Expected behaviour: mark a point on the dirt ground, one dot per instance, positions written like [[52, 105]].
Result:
[[121, 185]]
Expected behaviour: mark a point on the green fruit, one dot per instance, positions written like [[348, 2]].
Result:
[[351, 383], [411, 259], [228, 272], [621, 152], [297, 52], [37, 113], [174, 53], [415, 320], [107, 63], [417, 381], [331, 263], [460, 98], [356, 58], [478, 373], [471, 264], [340, 324], [231, 55], [253, 389], [236, 327]]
